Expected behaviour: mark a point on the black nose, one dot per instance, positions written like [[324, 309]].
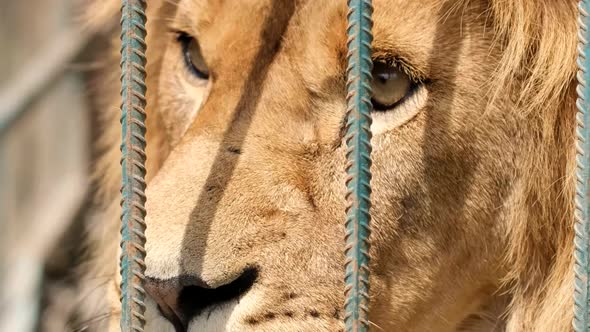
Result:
[[182, 298]]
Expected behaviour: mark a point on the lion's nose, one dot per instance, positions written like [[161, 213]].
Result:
[[182, 298]]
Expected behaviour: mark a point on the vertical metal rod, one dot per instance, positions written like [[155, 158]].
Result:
[[358, 166], [582, 225], [133, 33]]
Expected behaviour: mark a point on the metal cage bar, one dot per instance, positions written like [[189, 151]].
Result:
[[133, 60], [581, 307], [358, 166]]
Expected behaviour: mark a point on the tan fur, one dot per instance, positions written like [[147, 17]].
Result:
[[472, 197]]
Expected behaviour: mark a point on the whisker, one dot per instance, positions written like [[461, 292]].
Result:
[[375, 325], [85, 325]]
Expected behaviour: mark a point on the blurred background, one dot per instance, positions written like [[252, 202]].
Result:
[[47, 124]]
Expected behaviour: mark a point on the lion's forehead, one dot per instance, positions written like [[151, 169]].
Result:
[[295, 51], [231, 31]]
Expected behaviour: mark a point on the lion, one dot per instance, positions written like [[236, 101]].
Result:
[[473, 163]]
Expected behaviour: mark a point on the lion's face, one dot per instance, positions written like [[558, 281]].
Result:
[[245, 216]]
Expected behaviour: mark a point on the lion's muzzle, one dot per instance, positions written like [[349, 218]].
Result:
[[182, 298]]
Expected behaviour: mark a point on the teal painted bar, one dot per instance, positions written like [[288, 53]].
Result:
[[133, 212], [581, 307], [358, 166]]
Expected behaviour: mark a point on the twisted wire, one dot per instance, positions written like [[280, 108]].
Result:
[[133, 60], [358, 166], [581, 305]]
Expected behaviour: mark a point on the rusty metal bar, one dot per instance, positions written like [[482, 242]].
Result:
[[133, 115], [358, 166], [582, 224]]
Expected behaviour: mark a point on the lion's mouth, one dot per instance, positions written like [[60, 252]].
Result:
[[182, 298]]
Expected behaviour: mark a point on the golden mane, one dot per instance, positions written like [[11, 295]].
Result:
[[537, 69]]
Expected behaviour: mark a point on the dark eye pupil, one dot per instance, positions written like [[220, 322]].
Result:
[[390, 86], [191, 51], [383, 77]]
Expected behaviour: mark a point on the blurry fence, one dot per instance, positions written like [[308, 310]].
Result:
[[44, 144]]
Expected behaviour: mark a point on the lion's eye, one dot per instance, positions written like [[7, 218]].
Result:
[[191, 52], [390, 86]]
